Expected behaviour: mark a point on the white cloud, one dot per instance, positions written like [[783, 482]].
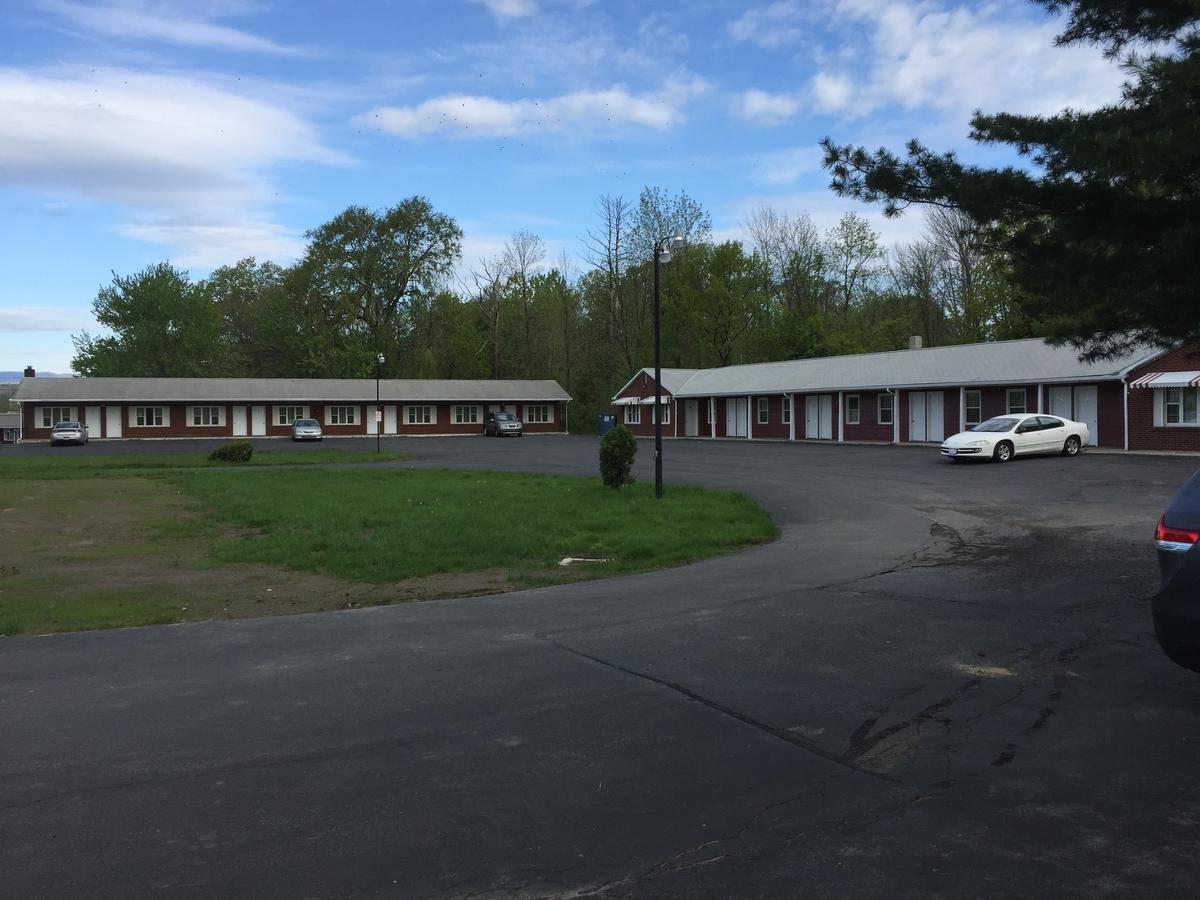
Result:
[[171, 147], [959, 58], [511, 9], [471, 116], [771, 26], [136, 23], [786, 166], [762, 108], [218, 242], [33, 318]]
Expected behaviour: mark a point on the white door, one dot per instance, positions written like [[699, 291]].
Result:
[[916, 416], [239, 421], [935, 417], [92, 422], [736, 409], [812, 422], [112, 421], [825, 417], [1060, 402], [371, 411], [389, 420], [1085, 410], [258, 420], [691, 418]]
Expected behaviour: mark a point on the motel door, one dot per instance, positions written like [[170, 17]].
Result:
[[92, 422], [112, 421], [1085, 410], [691, 418], [926, 416], [818, 418], [239, 421], [737, 417], [258, 420], [1060, 402]]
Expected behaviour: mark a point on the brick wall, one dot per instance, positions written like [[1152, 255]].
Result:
[[775, 427], [1143, 435], [868, 427], [641, 387]]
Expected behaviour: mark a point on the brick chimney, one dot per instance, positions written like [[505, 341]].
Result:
[[30, 372]]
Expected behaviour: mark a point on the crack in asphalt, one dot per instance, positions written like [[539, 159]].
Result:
[[745, 719]]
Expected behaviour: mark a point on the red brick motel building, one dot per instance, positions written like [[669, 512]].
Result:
[[149, 408], [1148, 399]]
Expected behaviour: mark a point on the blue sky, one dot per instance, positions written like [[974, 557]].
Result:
[[204, 131]]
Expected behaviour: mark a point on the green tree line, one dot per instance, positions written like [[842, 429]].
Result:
[[390, 282]]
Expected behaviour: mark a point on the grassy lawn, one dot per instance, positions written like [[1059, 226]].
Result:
[[167, 544], [77, 462]]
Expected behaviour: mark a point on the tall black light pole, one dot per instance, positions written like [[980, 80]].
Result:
[[378, 409], [662, 254]]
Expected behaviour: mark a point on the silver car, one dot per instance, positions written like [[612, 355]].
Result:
[[502, 424], [306, 430], [68, 433]]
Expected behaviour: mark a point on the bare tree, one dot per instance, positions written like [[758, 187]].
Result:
[[490, 295], [790, 252], [522, 256], [607, 248], [855, 258]]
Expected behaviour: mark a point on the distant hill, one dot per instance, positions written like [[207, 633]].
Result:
[[14, 377]]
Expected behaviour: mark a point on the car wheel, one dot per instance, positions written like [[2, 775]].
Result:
[[1071, 447], [1003, 452]]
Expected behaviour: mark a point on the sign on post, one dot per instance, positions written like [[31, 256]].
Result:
[[379, 415]]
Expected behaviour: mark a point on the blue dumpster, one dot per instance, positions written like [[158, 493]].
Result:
[[605, 423]]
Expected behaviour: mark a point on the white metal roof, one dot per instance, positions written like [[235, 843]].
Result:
[[1003, 362], [361, 390], [672, 379]]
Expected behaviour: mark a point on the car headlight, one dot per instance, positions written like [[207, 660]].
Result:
[[978, 443]]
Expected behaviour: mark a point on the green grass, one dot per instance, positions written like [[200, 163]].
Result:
[[79, 463], [387, 525]]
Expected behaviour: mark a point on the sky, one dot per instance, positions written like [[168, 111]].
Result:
[[206, 131]]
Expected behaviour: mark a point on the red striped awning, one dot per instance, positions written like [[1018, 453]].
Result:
[[1167, 379]]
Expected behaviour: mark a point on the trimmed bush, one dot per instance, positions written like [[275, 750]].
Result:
[[617, 450], [234, 452]]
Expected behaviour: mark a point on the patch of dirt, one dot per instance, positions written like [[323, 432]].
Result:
[[94, 537]]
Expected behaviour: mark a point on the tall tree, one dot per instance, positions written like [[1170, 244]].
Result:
[[1101, 224], [162, 325], [855, 259]]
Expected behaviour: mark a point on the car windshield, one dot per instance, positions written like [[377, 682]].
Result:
[[66, 425], [1000, 423], [306, 423], [505, 417]]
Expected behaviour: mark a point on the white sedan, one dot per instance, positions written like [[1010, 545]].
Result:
[[1004, 437]]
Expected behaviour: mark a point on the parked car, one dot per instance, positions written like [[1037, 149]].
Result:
[[501, 424], [68, 433], [1004, 437], [1176, 606], [307, 430]]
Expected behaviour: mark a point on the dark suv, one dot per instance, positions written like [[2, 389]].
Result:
[[501, 424], [1177, 605]]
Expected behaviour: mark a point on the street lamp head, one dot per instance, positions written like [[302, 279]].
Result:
[[676, 243], [380, 359], [664, 255]]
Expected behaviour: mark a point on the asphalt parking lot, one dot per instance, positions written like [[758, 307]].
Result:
[[940, 681]]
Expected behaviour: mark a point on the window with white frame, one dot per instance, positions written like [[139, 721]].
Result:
[[286, 415], [764, 410], [466, 415], [537, 414], [853, 413], [419, 415], [633, 414], [1180, 406], [199, 416], [665, 411], [786, 406], [52, 415], [887, 408], [973, 401], [148, 416], [1015, 402], [341, 415]]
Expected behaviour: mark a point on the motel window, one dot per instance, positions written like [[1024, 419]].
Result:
[[52, 415], [786, 406], [1016, 401], [973, 400], [420, 415], [466, 415], [886, 408], [764, 410], [148, 416], [633, 415], [206, 415], [341, 415], [286, 415], [852, 409], [1180, 406], [537, 414], [666, 411]]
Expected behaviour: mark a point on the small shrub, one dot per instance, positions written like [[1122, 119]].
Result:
[[234, 452], [617, 450]]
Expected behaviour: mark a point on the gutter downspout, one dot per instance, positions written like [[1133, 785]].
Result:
[[895, 392], [1124, 405], [791, 400], [841, 416], [750, 416], [675, 416]]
